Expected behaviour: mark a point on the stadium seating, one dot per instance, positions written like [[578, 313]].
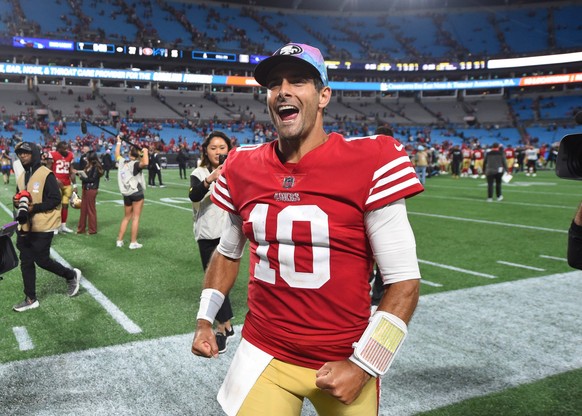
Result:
[[231, 28]]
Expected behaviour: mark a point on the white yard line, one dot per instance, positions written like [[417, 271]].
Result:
[[521, 266], [457, 269], [117, 314], [429, 283], [109, 306], [505, 202], [503, 224], [24, 341], [543, 256], [462, 344], [189, 209]]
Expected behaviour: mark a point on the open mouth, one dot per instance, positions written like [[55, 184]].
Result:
[[287, 112]]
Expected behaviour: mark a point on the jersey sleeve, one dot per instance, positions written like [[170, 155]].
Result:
[[221, 192], [394, 176]]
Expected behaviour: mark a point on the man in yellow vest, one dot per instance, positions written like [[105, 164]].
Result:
[[38, 211]]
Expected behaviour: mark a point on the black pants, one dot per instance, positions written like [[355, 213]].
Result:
[[35, 248], [152, 173], [182, 168], [490, 180], [206, 248]]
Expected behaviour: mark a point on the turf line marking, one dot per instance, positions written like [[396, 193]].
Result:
[[522, 266], [543, 256], [151, 200], [505, 202], [429, 283], [116, 313], [457, 269], [514, 189], [23, 339], [503, 224]]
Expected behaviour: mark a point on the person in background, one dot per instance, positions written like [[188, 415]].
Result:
[[89, 177], [456, 161], [575, 241], [155, 167], [60, 162], [421, 161], [312, 248], [182, 159], [509, 158], [210, 219], [85, 149], [39, 191], [132, 186], [494, 166], [107, 163], [6, 162], [532, 154]]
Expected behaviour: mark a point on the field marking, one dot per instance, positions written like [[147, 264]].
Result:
[[429, 283], [457, 269], [543, 256], [24, 341], [453, 353], [505, 202], [521, 266], [513, 190], [150, 200], [117, 314], [504, 224]]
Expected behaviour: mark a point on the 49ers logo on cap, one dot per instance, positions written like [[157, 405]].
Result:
[[290, 50]]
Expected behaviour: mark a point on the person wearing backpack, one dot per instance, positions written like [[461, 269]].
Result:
[[132, 184]]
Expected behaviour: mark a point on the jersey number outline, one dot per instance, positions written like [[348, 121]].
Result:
[[286, 252]]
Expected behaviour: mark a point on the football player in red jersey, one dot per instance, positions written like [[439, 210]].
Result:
[[478, 157], [315, 226], [509, 157], [60, 162]]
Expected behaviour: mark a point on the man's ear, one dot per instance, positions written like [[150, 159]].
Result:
[[324, 97]]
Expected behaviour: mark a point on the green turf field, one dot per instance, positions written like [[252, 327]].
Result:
[[462, 240]]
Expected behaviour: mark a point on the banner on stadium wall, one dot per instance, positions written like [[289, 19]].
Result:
[[186, 78]]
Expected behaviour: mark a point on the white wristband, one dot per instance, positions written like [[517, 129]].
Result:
[[210, 302]]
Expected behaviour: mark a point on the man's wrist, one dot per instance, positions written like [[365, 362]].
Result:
[[206, 180]]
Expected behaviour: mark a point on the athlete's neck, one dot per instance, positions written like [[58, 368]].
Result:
[[292, 151]]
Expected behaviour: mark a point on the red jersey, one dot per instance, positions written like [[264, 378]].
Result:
[[310, 258], [478, 154], [466, 153], [509, 153], [62, 166]]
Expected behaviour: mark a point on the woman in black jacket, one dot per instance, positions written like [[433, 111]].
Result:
[[90, 179]]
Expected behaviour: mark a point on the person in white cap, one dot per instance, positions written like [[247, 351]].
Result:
[[318, 209]]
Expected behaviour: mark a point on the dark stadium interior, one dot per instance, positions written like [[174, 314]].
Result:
[[406, 34]]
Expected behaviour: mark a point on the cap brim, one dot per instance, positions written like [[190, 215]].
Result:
[[264, 67]]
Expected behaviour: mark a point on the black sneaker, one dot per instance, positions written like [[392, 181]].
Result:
[[229, 332], [74, 283], [221, 342], [26, 304]]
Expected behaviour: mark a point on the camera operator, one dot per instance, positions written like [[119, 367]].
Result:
[[575, 241], [38, 204]]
